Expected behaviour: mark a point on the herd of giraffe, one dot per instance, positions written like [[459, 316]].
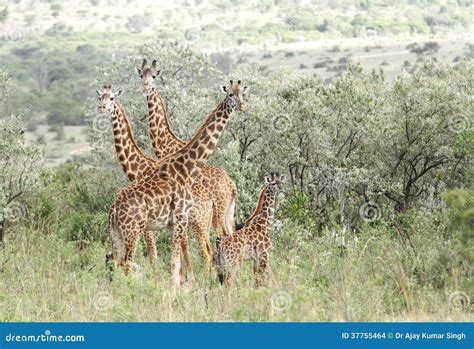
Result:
[[179, 189]]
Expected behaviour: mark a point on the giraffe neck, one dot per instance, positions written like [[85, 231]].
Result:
[[164, 140], [266, 208], [131, 158], [186, 162], [258, 209]]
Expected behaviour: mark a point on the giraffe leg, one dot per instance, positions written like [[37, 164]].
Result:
[[218, 218], [187, 259], [151, 246], [202, 237], [182, 273], [261, 268], [229, 281], [200, 228], [200, 219], [256, 259], [175, 259], [130, 249], [179, 244], [116, 241]]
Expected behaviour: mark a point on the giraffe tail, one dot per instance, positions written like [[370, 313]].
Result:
[[116, 238], [232, 213], [218, 259]]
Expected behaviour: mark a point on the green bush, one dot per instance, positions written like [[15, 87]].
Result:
[[84, 228]]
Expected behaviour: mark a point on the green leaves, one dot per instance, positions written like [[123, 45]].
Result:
[[355, 140]]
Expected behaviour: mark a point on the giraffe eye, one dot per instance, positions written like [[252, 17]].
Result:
[[154, 76], [231, 94], [112, 98]]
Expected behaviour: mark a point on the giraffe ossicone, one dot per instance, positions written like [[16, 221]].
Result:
[[212, 181], [253, 240], [161, 201]]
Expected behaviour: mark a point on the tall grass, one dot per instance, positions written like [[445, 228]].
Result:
[[374, 276]]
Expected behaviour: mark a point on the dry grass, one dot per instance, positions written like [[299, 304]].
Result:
[[46, 279]]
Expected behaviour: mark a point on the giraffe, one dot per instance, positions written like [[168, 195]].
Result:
[[215, 180], [252, 241], [135, 164], [163, 197], [131, 158]]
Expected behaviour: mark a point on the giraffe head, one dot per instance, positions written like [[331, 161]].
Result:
[[235, 93], [275, 183], [107, 98], [148, 73]]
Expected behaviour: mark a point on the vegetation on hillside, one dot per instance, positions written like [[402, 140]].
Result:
[[377, 223], [52, 49]]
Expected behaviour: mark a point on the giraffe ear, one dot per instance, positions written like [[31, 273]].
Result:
[[282, 178], [245, 89], [139, 72], [224, 89], [159, 72], [268, 180], [98, 93], [119, 93]]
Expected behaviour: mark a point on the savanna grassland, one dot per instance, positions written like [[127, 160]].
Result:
[[369, 114]]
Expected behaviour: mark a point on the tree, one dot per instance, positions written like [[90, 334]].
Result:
[[19, 165], [357, 143]]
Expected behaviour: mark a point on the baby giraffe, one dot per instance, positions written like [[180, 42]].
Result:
[[252, 241]]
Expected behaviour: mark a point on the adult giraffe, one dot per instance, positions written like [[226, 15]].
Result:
[[163, 196], [215, 180], [133, 161], [135, 164]]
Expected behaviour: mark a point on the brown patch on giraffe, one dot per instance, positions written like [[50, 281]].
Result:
[[188, 165], [182, 199], [200, 151]]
